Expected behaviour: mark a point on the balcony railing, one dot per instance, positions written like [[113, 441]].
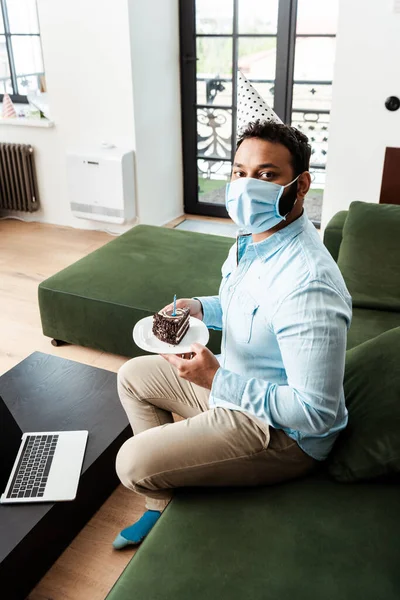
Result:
[[310, 114]]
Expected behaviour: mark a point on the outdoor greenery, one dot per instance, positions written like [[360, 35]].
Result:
[[209, 185]]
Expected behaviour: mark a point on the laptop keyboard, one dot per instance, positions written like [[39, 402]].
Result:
[[33, 468]]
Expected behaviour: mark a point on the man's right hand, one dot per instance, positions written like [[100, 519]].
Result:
[[194, 305]]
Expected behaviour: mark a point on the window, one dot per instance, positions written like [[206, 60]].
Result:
[[21, 60]]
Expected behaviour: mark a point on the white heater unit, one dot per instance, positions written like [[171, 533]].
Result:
[[101, 184]]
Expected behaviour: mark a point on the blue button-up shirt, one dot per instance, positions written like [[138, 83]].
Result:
[[284, 311]]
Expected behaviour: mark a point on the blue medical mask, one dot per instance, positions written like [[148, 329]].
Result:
[[254, 204]]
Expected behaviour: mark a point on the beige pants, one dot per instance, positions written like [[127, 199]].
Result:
[[212, 447]]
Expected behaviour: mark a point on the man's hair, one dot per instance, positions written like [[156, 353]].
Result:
[[278, 133]]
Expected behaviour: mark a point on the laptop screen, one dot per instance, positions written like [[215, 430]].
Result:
[[10, 441]]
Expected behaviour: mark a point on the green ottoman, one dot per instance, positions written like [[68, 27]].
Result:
[[97, 301]]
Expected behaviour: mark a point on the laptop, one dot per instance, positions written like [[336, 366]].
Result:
[[41, 466]]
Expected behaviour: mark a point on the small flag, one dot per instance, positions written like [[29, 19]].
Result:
[[8, 108]]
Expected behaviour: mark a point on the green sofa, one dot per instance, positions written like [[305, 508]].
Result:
[[310, 539], [307, 540], [374, 314]]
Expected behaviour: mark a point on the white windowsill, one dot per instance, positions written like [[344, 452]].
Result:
[[26, 122]]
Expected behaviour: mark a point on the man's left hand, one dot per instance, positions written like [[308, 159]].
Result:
[[200, 369]]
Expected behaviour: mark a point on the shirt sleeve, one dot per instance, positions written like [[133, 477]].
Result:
[[311, 328], [212, 311]]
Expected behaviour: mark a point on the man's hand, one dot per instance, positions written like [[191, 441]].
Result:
[[194, 305], [200, 369]]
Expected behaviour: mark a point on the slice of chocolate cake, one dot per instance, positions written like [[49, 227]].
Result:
[[171, 329]]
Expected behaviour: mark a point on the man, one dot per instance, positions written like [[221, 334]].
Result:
[[271, 406]]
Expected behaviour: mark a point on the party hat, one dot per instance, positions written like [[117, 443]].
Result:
[[8, 108], [250, 105]]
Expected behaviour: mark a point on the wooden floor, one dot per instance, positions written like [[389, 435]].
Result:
[[29, 253]]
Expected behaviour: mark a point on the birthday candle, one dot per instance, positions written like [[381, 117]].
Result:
[[174, 313]]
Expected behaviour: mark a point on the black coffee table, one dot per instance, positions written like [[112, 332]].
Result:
[[49, 393]]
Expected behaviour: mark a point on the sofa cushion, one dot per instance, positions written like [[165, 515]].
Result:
[[369, 255], [308, 539], [97, 301], [334, 232], [370, 445], [367, 324]]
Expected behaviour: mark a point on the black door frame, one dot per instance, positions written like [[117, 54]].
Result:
[[283, 86]]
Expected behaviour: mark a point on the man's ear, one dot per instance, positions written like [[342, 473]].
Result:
[[303, 184]]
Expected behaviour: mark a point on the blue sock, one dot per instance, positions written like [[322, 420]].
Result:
[[138, 531]]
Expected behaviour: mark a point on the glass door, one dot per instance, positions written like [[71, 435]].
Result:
[[218, 37]]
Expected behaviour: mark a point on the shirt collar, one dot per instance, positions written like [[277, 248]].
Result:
[[270, 245]]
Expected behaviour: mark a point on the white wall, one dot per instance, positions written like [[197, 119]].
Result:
[[366, 73], [154, 27], [98, 91]]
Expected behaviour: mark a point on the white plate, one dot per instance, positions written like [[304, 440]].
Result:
[[144, 338]]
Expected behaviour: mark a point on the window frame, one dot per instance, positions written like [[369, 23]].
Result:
[[284, 81], [15, 97], [285, 36]]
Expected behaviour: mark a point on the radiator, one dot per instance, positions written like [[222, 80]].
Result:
[[18, 185]]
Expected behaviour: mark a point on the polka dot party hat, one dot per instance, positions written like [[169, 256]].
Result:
[[250, 105]]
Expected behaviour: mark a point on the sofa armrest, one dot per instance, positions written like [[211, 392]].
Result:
[[334, 232]]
